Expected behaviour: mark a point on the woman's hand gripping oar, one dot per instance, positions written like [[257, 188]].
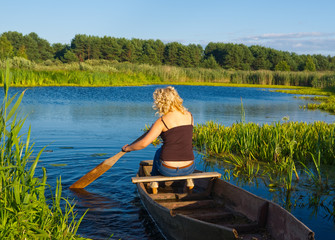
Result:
[[96, 172]]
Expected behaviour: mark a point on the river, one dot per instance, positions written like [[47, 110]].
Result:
[[81, 127]]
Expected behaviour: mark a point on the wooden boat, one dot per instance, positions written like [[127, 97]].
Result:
[[213, 209]]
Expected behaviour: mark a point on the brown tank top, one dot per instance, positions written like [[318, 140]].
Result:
[[177, 143]]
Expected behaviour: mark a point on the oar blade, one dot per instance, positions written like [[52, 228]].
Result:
[[96, 172]]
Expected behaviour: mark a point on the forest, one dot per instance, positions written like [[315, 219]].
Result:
[[228, 56]]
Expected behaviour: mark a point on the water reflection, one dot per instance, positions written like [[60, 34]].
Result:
[[93, 201]]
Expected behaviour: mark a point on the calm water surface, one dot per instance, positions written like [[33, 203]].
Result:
[[81, 127]]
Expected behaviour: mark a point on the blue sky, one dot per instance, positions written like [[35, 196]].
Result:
[[301, 26]]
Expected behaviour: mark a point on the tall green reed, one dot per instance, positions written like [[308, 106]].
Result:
[[280, 147], [315, 174], [268, 142], [25, 211]]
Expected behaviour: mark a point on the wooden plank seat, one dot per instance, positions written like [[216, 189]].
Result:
[[160, 178], [153, 180]]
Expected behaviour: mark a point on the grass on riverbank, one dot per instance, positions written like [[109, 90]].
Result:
[[111, 73], [25, 211]]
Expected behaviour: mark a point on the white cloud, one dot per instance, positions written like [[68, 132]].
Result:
[[301, 43], [297, 45], [289, 36]]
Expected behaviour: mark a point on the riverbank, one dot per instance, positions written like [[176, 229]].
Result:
[[111, 73]]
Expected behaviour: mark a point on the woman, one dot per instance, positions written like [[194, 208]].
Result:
[[175, 126]]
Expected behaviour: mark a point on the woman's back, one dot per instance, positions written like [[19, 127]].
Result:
[[176, 118], [177, 137]]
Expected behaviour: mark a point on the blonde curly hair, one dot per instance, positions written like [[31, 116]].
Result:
[[166, 100]]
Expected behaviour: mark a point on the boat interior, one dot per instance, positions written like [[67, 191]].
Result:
[[206, 202]]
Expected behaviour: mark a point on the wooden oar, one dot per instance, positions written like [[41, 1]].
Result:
[[96, 172]]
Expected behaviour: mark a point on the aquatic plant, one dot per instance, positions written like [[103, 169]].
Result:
[[248, 168], [273, 152], [25, 211], [267, 143], [316, 175], [329, 208]]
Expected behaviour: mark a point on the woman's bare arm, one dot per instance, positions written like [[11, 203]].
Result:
[[153, 133]]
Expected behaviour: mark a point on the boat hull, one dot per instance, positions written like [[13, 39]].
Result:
[[234, 213]]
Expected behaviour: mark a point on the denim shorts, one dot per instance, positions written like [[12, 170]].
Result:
[[159, 169]]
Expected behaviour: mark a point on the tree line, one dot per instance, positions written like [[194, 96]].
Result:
[[155, 52]]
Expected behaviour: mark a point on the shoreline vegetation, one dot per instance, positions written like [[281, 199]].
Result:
[[112, 73], [27, 211]]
